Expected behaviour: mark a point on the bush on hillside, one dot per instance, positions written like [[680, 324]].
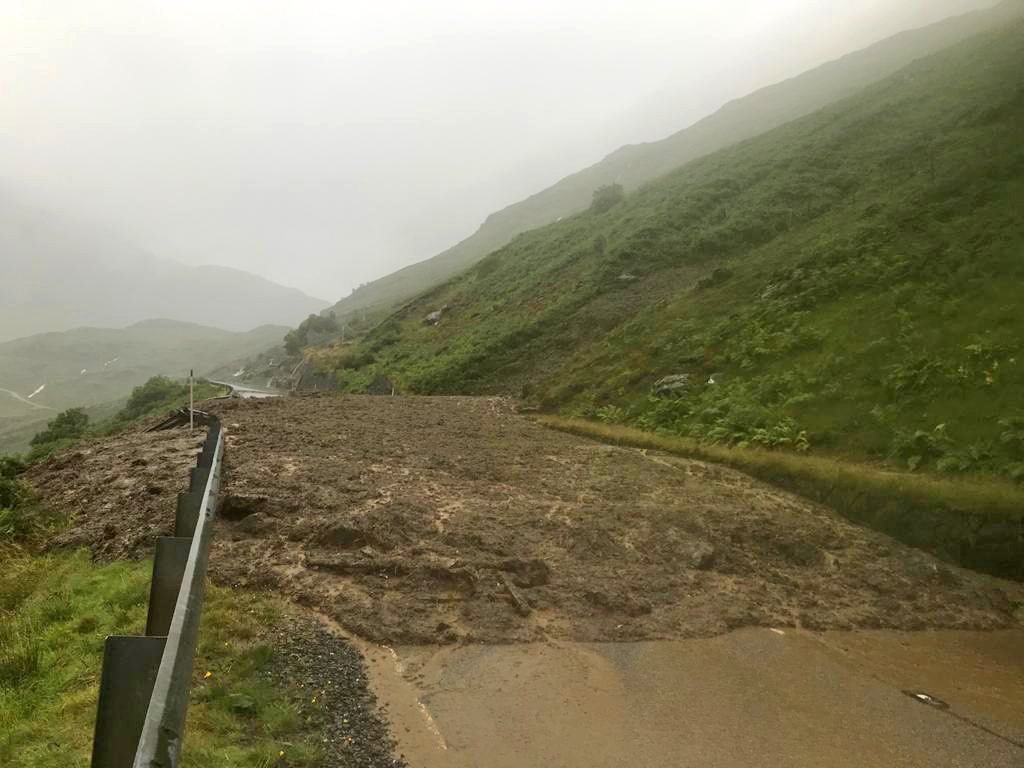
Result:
[[11, 492], [310, 328], [69, 425], [145, 396], [607, 197], [20, 516]]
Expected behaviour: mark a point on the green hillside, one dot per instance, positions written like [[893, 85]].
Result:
[[848, 283], [97, 368], [634, 165]]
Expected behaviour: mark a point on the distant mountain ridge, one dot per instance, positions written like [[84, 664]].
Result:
[[58, 274], [634, 165]]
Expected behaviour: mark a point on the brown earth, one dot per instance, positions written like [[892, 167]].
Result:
[[118, 492], [424, 520]]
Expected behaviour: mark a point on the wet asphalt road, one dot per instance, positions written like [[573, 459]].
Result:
[[748, 698]]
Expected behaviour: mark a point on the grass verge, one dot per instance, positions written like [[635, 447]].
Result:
[[56, 610], [974, 523]]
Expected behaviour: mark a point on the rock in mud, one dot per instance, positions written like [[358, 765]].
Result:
[[344, 535], [528, 573], [800, 551], [698, 554], [237, 506], [619, 603], [675, 384], [257, 524]]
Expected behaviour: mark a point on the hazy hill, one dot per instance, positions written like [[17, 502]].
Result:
[[850, 280], [56, 274], [634, 165], [97, 366]]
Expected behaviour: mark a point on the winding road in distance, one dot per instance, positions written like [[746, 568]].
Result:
[[25, 400], [248, 393]]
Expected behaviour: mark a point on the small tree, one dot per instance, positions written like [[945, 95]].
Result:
[[607, 197], [292, 342], [71, 423], [298, 338], [156, 390]]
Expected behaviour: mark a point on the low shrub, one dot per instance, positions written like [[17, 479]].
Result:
[[68, 425]]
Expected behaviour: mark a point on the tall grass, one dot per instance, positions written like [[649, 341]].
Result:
[[976, 523], [56, 610]]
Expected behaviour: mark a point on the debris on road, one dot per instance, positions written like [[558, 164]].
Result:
[[405, 519]]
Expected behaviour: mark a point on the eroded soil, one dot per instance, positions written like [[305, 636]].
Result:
[[426, 520], [120, 492]]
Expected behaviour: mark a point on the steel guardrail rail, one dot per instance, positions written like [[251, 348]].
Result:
[[145, 682]]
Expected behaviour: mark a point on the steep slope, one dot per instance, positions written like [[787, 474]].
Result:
[[849, 281], [634, 165], [58, 274], [94, 366]]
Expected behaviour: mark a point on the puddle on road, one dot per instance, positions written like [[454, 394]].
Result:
[[752, 697]]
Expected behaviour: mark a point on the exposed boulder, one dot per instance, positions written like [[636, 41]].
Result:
[[434, 317], [304, 377], [528, 573], [674, 384], [698, 554]]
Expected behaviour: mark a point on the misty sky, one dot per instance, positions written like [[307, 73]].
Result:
[[323, 144]]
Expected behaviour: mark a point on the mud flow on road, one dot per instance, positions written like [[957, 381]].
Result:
[[491, 569], [426, 520], [444, 519]]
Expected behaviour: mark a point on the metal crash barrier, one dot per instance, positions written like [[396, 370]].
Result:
[[144, 685]]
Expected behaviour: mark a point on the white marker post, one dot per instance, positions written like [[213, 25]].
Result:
[[191, 413]]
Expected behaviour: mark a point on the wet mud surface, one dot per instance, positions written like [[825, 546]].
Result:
[[425, 520], [119, 492], [438, 520]]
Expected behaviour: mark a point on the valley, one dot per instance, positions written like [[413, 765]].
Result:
[[97, 368]]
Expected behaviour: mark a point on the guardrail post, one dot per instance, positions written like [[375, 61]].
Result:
[[130, 667], [168, 567], [198, 478], [186, 514], [206, 454]]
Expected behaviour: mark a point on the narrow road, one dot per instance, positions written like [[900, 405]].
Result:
[[246, 393], [753, 697], [26, 401]]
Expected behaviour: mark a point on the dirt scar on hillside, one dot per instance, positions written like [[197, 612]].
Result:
[[442, 519]]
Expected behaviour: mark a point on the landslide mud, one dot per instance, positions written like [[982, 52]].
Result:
[[419, 520], [119, 493], [436, 520]]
